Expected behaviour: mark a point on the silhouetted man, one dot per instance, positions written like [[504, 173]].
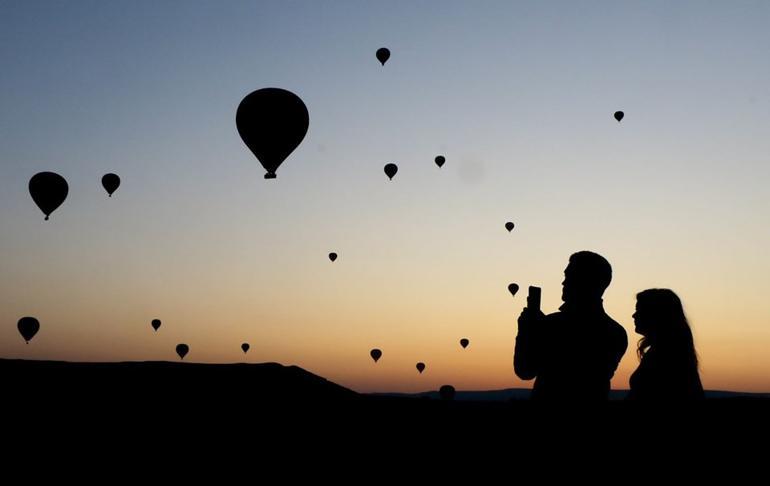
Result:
[[572, 353]]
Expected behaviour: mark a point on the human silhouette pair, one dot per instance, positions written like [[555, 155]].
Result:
[[572, 354]]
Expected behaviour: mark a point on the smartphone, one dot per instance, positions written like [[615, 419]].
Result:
[[533, 299]]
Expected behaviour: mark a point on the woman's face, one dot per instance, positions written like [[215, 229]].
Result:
[[641, 319]]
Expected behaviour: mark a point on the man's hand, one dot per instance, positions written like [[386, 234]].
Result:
[[530, 318]]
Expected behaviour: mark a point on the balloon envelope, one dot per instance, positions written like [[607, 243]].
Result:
[[110, 182], [619, 115], [383, 54], [420, 367], [182, 350], [48, 190], [440, 160], [156, 324], [272, 123], [464, 343], [390, 170], [28, 327], [509, 226], [447, 392], [376, 354], [245, 347], [513, 288], [332, 256]]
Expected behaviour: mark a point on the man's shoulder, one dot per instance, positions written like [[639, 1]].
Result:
[[615, 329]]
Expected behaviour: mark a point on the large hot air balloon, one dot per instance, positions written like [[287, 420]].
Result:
[[513, 288], [383, 54], [447, 392], [420, 367], [332, 256], [440, 160], [619, 115], [28, 327], [464, 342], [376, 354], [390, 170], [509, 226], [245, 347], [156, 324], [110, 182], [48, 190], [272, 122], [182, 350]]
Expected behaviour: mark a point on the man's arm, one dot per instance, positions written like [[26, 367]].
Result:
[[527, 350]]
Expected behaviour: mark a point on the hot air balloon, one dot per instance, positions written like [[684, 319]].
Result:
[[513, 288], [272, 122], [464, 342], [447, 392], [48, 190], [383, 54], [110, 182], [440, 160], [332, 256], [28, 327], [245, 347], [156, 324], [509, 226], [420, 367], [390, 170], [376, 354], [619, 115], [182, 350]]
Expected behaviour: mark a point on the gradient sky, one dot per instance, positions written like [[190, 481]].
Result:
[[518, 96]]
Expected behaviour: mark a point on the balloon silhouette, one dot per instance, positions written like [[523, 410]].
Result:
[[156, 324], [420, 367], [332, 256], [376, 354], [110, 182], [28, 327], [619, 115], [390, 170], [464, 343], [447, 392], [509, 226], [245, 347], [48, 190], [272, 122], [383, 54], [182, 350], [440, 160], [513, 288]]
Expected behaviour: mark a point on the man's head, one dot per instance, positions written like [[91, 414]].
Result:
[[586, 277]]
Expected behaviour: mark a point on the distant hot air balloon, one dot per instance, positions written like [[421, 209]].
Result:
[[447, 392], [332, 256], [110, 182], [182, 350], [28, 327], [440, 160], [245, 347], [156, 324], [420, 367], [272, 122], [509, 226], [383, 54], [619, 115], [513, 288], [390, 170], [376, 354], [464, 342], [48, 190]]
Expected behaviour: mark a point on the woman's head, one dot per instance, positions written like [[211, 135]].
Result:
[[660, 319]]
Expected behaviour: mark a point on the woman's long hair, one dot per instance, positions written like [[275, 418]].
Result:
[[668, 329]]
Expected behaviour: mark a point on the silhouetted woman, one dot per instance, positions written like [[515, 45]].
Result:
[[668, 367]]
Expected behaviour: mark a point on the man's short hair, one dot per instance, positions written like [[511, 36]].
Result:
[[592, 268]]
